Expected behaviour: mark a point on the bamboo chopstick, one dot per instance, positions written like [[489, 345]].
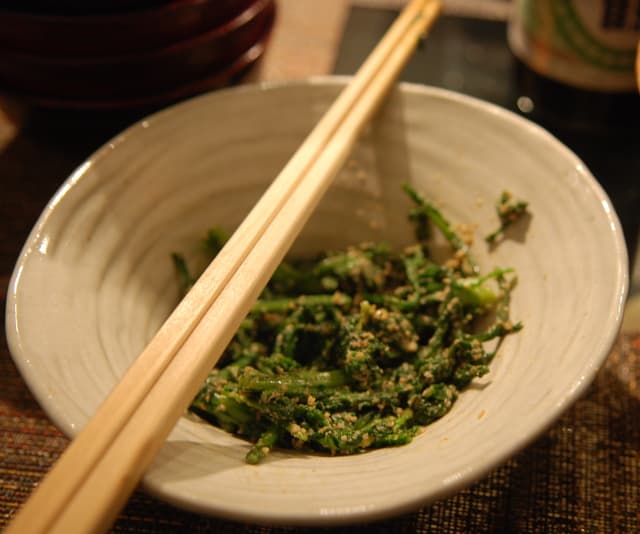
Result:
[[124, 399], [93, 479]]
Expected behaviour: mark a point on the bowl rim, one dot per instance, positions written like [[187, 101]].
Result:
[[589, 367]]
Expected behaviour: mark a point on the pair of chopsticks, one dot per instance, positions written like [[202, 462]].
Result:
[[93, 479]]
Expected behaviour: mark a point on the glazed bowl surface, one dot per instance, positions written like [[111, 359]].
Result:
[[95, 280]]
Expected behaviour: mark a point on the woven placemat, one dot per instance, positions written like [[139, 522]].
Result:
[[583, 475]]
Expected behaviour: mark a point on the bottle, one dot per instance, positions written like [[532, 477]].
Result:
[[576, 62]]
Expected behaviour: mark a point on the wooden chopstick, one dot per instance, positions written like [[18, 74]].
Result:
[[93, 479], [134, 386]]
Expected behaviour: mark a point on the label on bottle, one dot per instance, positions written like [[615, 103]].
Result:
[[590, 44]]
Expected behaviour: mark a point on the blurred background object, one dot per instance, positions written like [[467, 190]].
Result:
[[577, 61], [126, 54], [80, 7], [91, 35]]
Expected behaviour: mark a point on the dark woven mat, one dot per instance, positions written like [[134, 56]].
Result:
[[582, 476]]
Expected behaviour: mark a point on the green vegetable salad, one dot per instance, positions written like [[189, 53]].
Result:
[[359, 348]]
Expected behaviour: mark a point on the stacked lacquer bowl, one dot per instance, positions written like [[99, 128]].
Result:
[[120, 53]]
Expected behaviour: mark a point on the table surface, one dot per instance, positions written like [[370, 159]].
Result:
[[582, 475]]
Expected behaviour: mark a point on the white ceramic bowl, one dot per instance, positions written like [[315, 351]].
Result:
[[94, 281]]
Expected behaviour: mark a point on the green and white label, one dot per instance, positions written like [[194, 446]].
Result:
[[590, 44]]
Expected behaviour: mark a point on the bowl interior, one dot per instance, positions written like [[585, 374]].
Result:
[[95, 281]]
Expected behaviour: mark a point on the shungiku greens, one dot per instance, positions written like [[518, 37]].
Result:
[[359, 348]]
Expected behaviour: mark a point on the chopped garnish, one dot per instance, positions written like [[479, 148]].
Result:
[[509, 211]]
